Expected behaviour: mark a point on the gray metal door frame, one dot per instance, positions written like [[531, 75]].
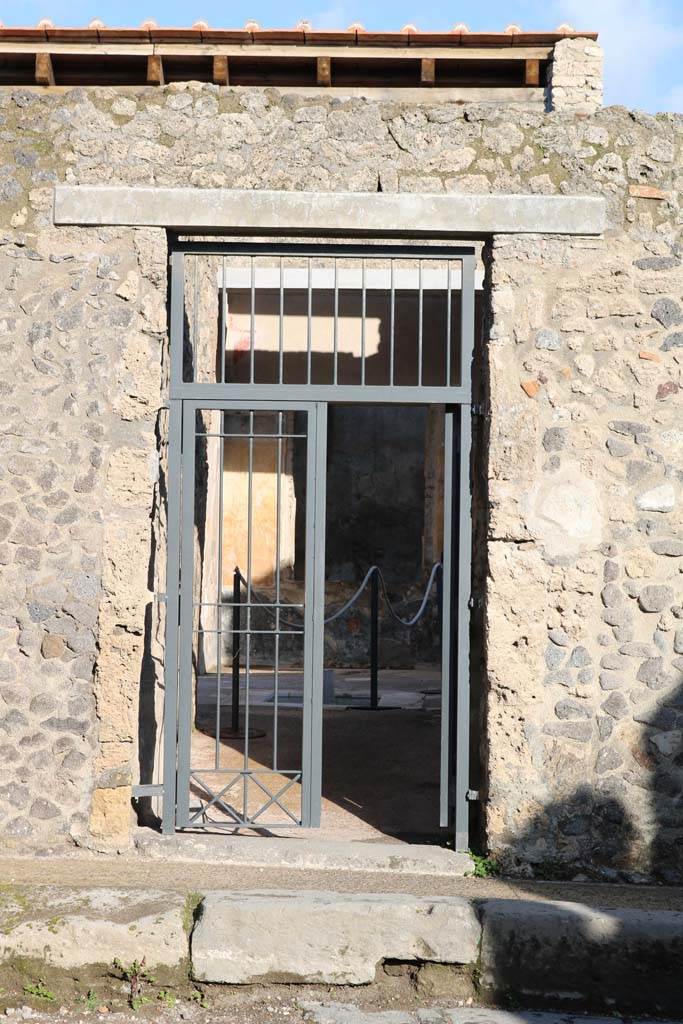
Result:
[[316, 446], [185, 397]]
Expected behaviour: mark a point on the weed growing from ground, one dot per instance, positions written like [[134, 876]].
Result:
[[89, 1000], [137, 976], [198, 997], [484, 867], [39, 990]]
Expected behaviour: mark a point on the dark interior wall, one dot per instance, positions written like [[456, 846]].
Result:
[[375, 491]]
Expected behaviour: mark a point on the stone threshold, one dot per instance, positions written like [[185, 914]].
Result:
[[306, 854], [541, 952]]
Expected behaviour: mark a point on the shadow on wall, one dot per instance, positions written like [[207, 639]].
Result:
[[592, 830], [603, 960]]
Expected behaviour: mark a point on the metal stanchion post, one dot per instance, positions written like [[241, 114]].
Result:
[[374, 640], [236, 626]]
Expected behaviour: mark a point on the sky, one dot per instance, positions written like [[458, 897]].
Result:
[[642, 39]]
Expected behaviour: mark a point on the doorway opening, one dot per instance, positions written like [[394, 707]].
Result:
[[381, 685], [320, 449]]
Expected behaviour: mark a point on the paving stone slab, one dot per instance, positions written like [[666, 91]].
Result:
[[70, 928], [323, 937], [629, 960], [341, 1013]]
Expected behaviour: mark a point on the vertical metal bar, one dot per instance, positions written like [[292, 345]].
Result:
[[439, 599], [455, 722], [224, 323], [336, 321], [309, 328], [247, 660], [392, 322], [276, 665], [195, 320], [449, 302], [314, 636], [467, 323], [445, 795], [236, 636], [462, 626], [281, 332], [219, 587], [177, 317], [362, 323], [252, 327], [420, 317], [185, 660], [374, 641], [172, 592]]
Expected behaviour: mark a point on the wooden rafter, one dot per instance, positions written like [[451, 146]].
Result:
[[155, 70], [44, 72], [324, 70], [221, 70], [427, 71]]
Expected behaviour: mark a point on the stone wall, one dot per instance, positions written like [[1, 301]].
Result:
[[80, 394], [584, 617], [575, 76], [583, 659]]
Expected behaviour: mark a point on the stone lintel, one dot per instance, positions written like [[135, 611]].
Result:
[[263, 212]]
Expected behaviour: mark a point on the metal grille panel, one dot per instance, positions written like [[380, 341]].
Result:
[[242, 630], [371, 324]]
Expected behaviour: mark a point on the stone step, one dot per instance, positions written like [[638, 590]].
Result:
[[547, 953], [307, 854], [539, 950], [328, 938], [72, 928]]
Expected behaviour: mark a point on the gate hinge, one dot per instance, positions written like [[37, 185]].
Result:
[[480, 409], [475, 601], [472, 795]]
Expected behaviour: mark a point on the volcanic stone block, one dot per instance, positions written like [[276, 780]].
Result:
[[326, 937]]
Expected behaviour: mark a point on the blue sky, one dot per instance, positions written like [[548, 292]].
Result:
[[643, 39]]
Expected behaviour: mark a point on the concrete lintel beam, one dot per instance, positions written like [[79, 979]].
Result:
[[263, 212]]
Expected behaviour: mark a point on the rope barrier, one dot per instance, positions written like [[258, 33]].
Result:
[[406, 623], [409, 623]]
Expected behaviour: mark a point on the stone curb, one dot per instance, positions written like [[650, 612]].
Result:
[[543, 952], [71, 928], [323, 937], [628, 960]]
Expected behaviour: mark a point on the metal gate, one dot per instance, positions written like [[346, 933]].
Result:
[[261, 343]]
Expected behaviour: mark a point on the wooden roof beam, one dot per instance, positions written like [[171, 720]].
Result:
[[155, 70], [323, 70], [221, 70], [44, 73], [427, 71]]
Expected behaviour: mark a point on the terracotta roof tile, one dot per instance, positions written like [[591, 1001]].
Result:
[[301, 34]]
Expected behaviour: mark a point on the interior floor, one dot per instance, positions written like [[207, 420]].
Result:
[[380, 768]]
